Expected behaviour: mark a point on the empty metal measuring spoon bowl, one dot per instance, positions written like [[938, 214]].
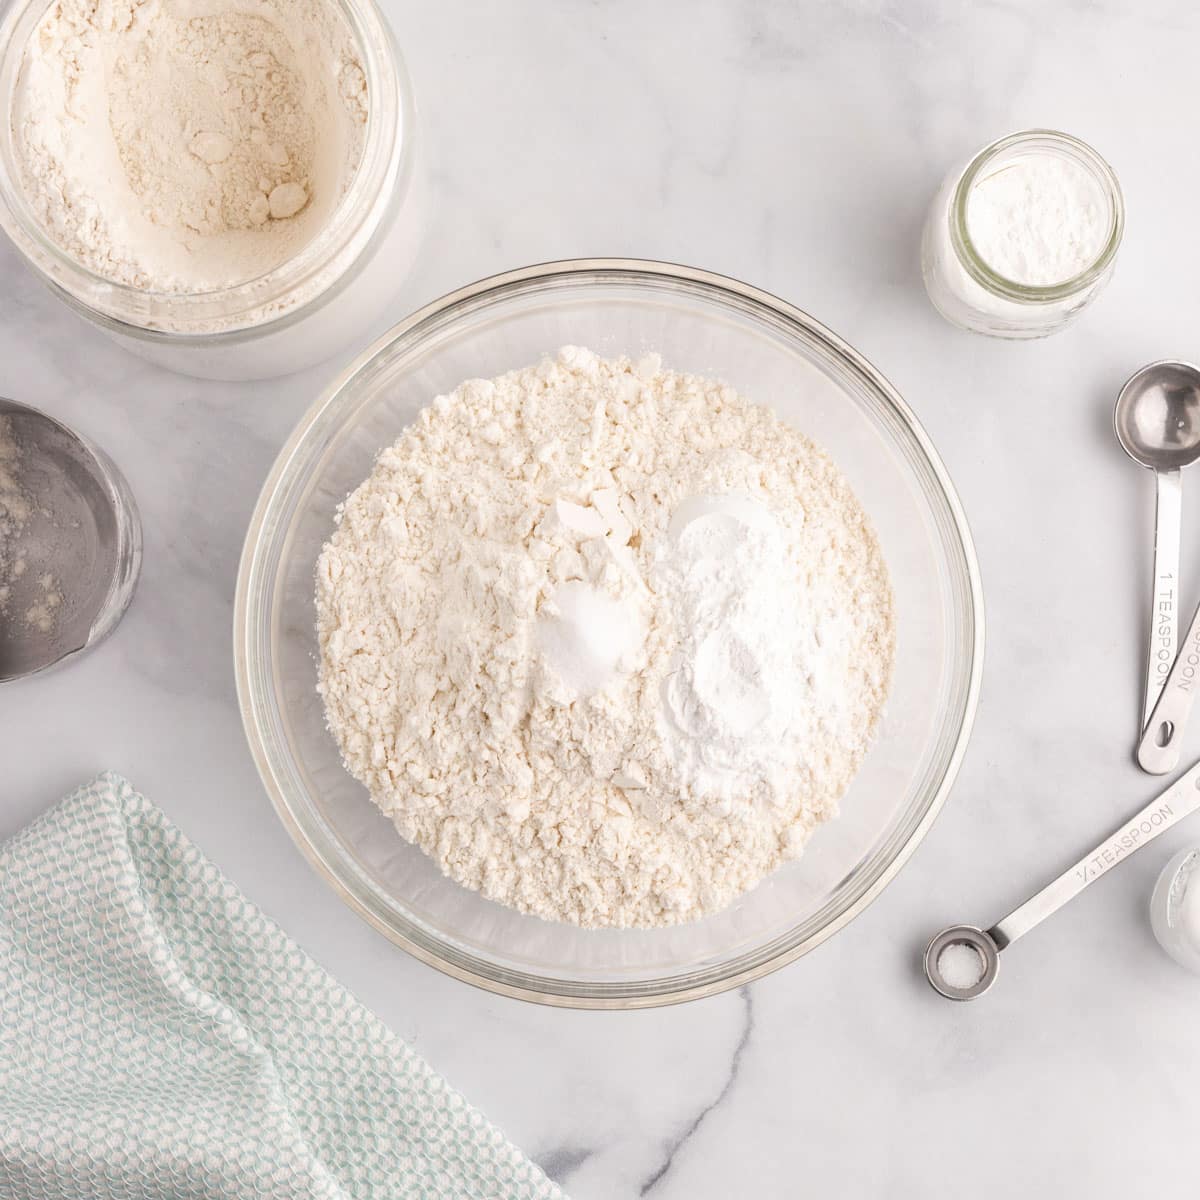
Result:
[[1157, 421], [70, 543], [1165, 810]]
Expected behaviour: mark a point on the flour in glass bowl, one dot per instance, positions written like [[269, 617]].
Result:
[[607, 641]]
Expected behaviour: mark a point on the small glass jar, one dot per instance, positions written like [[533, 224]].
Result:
[[967, 291], [301, 311], [1175, 909]]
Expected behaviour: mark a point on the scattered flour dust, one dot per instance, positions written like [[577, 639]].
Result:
[[16, 509], [606, 641], [187, 145], [42, 614]]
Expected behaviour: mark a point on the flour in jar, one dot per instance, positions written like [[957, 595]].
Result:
[[606, 641], [187, 146]]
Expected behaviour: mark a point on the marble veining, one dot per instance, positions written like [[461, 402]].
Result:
[[794, 146], [685, 1136]]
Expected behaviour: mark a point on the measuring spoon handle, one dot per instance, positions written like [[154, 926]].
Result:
[[1162, 740], [1180, 799], [1164, 601]]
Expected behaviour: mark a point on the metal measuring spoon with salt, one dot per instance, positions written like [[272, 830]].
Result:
[[70, 543], [1157, 421], [943, 965]]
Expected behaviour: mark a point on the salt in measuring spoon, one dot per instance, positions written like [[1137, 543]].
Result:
[[1157, 421], [1178, 801]]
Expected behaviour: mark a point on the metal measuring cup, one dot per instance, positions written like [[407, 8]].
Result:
[[79, 529]]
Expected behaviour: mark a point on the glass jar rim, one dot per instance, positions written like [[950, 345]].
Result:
[[317, 267], [974, 263]]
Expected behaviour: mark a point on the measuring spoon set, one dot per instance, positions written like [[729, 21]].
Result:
[[1157, 422]]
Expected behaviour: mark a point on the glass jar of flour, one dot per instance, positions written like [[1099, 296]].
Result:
[[231, 195], [1022, 239]]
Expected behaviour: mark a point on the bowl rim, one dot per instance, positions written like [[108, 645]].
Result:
[[249, 567]]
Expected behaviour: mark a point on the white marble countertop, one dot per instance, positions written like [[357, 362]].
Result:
[[794, 146]]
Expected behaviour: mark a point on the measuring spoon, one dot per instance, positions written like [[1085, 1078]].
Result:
[[1169, 807], [1157, 420]]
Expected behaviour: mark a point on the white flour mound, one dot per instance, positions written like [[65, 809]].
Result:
[[187, 145], [606, 641]]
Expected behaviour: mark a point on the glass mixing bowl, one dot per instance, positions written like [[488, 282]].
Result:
[[772, 353]]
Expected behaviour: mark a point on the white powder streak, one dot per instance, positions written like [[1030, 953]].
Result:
[[738, 706]]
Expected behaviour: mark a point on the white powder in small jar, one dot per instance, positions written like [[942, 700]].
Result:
[[183, 147], [1035, 210], [1038, 220]]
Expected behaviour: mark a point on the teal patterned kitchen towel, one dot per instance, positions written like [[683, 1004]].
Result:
[[160, 1039]]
